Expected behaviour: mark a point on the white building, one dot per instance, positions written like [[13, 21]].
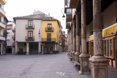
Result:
[[10, 38], [3, 21], [27, 35]]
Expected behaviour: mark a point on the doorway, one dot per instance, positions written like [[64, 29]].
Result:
[[33, 48]]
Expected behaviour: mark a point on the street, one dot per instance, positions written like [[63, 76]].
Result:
[[37, 66]]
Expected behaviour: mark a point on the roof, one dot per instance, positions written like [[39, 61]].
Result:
[[36, 15]]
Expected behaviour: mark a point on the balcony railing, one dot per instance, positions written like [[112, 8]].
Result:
[[49, 29], [68, 24], [48, 39], [30, 27], [73, 3], [2, 12], [29, 38], [2, 1], [68, 12], [2, 37], [2, 24], [66, 3]]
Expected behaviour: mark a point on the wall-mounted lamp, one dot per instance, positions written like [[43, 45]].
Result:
[[62, 11]]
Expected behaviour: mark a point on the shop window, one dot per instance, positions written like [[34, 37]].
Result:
[[108, 48]]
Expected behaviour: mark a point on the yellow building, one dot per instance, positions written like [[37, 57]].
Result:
[[50, 35]]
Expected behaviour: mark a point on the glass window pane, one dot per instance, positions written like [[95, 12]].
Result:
[[111, 47]]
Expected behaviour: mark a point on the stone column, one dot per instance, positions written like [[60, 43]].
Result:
[[68, 41], [27, 48], [43, 49], [39, 47], [13, 50], [70, 45], [16, 47], [99, 64], [1, 48], [73, 41], [55, 48], [75, 35], [77, 38], [84, 57]]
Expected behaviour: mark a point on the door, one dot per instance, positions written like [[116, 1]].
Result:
[[33, 48]]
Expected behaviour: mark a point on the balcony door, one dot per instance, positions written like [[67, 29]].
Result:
[[30, 23], [30, 34], [49, 37]]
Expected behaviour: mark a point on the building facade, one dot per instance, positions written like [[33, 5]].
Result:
[[63, 42], [3, 22], [37, 34], [10, 39], [27, 33], [50, 35], [92, 37]]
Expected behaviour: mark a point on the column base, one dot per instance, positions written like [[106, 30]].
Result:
[[84, 63], [27, 53], [70, 55], [99, 67], [73, 55], [76, 62], [76, 56]]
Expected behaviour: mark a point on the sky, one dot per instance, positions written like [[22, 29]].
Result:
[[54, 8]]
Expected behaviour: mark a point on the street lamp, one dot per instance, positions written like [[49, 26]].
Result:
[[62, 11], [63, 16]]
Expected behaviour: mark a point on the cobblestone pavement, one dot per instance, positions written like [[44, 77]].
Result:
[[38, 66]]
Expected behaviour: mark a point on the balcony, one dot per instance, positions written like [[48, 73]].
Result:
[[2, 25], [49, 29], [66, 3], [68, 24], [2, 12], [2, 38], [29, 38], [73, 3], [48, 39], [68, 12], [53, 39], [30, 27], [44, 39], [2, 2]]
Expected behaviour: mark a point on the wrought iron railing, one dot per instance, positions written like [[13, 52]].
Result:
[[30, 27], [29, 38]]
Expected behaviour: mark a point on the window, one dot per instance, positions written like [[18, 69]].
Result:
[[104, 47], [108, 48], [30, 23], [49, 28], [49, 25], [30, 33]]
